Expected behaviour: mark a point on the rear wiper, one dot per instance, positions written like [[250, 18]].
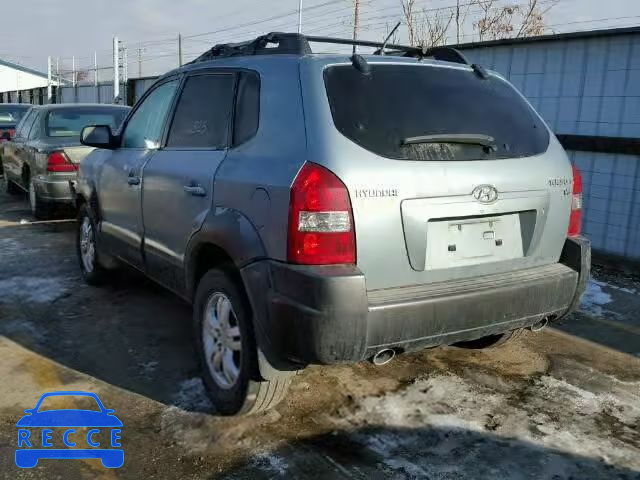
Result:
[[464, 138]]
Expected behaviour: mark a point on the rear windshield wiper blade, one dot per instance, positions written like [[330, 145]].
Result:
[[463, 138]]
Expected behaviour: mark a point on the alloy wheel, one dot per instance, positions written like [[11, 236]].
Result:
[[222, 341], [87, 245]]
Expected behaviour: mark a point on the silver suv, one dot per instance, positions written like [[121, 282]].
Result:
[[324, 208]]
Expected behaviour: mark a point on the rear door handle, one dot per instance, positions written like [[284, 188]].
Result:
[[195, 190], [133, 180]]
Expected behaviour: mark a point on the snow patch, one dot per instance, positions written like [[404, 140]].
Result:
[[594, 298], [192, 395], [33, 289], [452, 414], [270, 463]]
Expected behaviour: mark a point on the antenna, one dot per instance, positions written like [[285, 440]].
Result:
[[380, 51]]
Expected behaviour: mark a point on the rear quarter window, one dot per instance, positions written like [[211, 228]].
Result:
[[394, 103]]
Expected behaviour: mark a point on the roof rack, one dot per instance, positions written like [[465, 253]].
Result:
[[275, 43]]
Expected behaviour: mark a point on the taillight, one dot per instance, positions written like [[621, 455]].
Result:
[[10, 131], [321, 230], [58, 162], [575, 220]]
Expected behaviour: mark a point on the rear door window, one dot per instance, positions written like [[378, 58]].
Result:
[[203, 114], [420, 112]]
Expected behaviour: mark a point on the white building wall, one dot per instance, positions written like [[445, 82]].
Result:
[[13, 79]]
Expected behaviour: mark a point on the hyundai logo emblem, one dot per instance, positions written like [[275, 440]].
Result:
[[485, 193]]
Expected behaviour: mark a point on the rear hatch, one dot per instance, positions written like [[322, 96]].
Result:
[[451, 175]]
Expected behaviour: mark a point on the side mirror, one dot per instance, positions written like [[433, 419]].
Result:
[[6, 136], [98, 136], [29, 410]]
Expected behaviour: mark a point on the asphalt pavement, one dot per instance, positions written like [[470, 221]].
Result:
[[560, 404]]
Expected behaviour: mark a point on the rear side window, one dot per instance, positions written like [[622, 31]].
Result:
[[203, 113], [35, 127], [28, 123], [432, 113], [247, 114], [22, 123], [69, 122]]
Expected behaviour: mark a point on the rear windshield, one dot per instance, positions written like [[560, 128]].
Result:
[[11, 114], [432, 113], [69, 122]]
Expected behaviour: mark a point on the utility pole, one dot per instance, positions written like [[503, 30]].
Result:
[[49, 92], [95, 69], [116, 69], [140, 62], [300, 16], [356, 21], [179, 50], [73, 70], [458, 21], [125, 74], [95, 77]]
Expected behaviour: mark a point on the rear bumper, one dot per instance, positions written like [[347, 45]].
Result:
[[322, 315], [54, 189]]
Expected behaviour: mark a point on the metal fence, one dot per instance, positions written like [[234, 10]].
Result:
[[130, 92], [587, 88]]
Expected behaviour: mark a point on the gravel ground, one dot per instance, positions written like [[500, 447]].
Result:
[[560, 404]]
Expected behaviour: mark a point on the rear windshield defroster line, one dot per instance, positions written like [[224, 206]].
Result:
[[393, 103]]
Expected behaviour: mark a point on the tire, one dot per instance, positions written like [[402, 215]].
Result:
[[234, 388], [10, 187], [490, 341], [39, 209], [87, 249]]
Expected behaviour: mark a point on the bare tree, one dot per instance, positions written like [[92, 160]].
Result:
[[426, 30], [507, 19], [495, 19]]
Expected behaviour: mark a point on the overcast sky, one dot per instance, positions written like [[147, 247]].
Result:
[[150, 27]]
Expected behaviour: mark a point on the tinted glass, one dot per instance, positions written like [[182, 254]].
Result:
[[396, 102], [11, 114], [247, 107], [203, 114], [20, 128], [69, 122], [144, 129], [25, 127], [35, 126]]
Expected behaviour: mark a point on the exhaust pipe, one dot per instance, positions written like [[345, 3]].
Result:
[[540, 325], [383, 357]]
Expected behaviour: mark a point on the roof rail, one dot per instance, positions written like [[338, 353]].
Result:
[[275, 43]]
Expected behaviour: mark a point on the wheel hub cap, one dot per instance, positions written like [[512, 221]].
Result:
[[87, 245], [221, 340]]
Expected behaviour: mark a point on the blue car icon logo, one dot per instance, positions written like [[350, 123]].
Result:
[[41, 427]]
